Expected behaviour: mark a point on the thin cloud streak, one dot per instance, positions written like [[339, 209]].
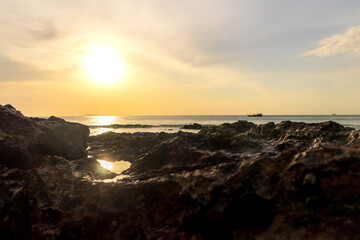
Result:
[[45, 30], [347, 43], [13, 71], [17, 71]]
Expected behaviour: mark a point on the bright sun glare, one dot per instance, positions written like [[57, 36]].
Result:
[[106, 164], [103, 120], [103, 65]]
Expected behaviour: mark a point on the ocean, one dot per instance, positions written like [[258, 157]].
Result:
[[173, 123]]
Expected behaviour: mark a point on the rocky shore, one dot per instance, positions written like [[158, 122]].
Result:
[[233, 181]]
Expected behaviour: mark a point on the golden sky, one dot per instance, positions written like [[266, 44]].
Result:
[[180, 57]]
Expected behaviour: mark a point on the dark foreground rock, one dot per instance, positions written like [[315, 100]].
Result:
[[25, 141], [192, 126], [234, 181], [124, 146]]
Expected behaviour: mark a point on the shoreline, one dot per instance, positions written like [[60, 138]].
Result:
[[174, 124]]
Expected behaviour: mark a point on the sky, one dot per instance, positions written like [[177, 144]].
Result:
[[182, 57]]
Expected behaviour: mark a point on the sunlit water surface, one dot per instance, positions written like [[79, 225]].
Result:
[[171, 124], [116, 167]]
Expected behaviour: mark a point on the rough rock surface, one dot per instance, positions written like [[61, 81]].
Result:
[[25, 141], [234, 181], [112, 146], [192, 126]]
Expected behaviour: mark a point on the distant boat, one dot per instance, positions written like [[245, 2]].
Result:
[[255, 115]]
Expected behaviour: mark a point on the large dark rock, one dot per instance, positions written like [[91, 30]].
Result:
[[233, 181], [25, 141], [192, 126], [65, 139]]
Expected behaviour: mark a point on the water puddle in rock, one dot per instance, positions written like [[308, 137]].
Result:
[[115, 179], [116, 167]]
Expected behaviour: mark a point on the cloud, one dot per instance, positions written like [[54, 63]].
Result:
[[347, 43], [19, 71], [44, 30], [11, 71]]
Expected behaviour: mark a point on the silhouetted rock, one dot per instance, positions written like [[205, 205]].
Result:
[[25, 141], [192, 126], [62, 138], [233, 181], [228, 128]]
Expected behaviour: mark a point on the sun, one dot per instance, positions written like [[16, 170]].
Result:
[[103, 65]]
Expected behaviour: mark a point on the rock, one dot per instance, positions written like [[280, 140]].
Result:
[[65, 139], [25, 141], [326, 131], [228, 128], [112, 146], [233, 181], [192, 126]]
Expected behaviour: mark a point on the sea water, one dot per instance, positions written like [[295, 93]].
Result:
[[173, 123]]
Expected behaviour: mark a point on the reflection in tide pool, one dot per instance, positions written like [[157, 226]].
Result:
[[116, 167], [106, 164], [115, 179]]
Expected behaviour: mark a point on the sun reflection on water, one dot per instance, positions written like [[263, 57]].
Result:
[[104, 120], [116, 167], [106, 164]]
